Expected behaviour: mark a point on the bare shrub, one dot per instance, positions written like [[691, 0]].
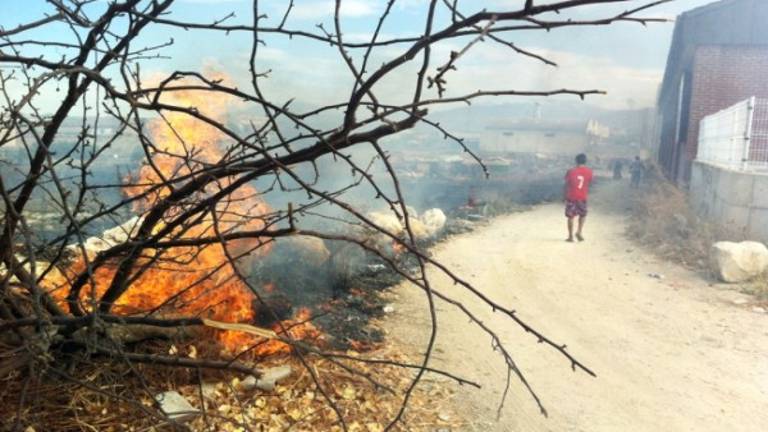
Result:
[[663, 219]]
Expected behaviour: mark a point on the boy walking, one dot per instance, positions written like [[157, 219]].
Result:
[[575, 193]]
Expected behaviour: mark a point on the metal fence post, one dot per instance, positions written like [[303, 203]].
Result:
[[748, 133]]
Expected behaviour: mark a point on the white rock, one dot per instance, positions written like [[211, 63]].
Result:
[[386, 221], [738, 262], [209, 391], [419, 230], [758, 309], [434, 221], [428, 225], [268, 381], [388, 309], [107, 239], [122, 232], [176, 407]]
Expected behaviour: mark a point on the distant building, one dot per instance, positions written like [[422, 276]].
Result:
[[597, 131], [718, 57], [553, 137]]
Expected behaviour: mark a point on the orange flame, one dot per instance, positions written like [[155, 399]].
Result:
[[297, 329], [269, 287], [397, 247], [192, 281]]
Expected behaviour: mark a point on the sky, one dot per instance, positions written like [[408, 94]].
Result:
[[625, 59]]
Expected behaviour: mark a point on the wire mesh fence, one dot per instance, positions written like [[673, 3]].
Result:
[[736, 137], [757, 158]]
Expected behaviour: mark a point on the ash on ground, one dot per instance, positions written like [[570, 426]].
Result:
[[342, 284]]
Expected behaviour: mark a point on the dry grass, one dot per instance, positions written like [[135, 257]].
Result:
[[663, 220], [113, 397], [759, 289]]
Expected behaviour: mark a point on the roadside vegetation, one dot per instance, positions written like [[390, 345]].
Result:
[[662, 219]]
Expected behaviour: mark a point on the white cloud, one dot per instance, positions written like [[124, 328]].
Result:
[[495, 68], [361, 37], [321, 9], [486, 67], [320, 76], [271, 54]]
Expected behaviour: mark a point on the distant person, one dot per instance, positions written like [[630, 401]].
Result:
[[636, 170], [575, 193], [617, 167], [472, 197]]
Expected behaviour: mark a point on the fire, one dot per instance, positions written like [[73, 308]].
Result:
[[397, 247], [298, 329], [193, 281], [269, 287]]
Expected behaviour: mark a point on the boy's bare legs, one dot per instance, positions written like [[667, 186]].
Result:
[[570, 229], [582, 219]]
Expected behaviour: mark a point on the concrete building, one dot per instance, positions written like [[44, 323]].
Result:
[[546, 137], [718, 57]]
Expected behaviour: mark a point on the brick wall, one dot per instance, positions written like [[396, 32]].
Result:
[[723, 76]]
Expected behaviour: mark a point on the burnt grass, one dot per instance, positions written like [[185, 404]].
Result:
[[344, 299]]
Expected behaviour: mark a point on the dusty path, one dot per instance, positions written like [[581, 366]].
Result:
[[671, 355]]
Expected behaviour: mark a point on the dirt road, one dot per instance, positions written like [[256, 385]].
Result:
[[671, 354]]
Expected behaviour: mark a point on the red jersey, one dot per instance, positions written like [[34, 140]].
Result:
[[577, 181]]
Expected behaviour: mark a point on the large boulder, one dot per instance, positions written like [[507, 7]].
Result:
[[434, 220], [739, 262], [424, 227], [419, 230], [386, 221]]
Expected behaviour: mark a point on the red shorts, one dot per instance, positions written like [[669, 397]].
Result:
[[575, 208]]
